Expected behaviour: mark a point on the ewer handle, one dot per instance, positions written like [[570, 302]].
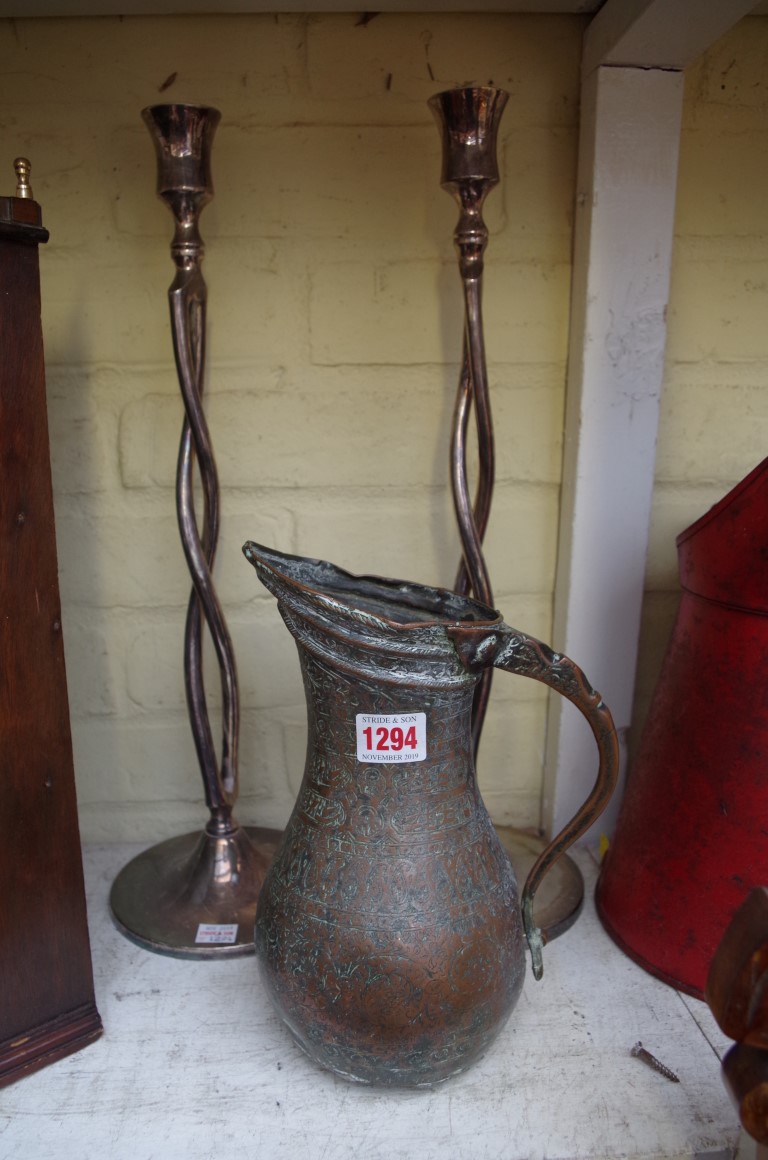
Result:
[[516, 652]]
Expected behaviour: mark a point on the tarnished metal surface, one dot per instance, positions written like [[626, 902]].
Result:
[[560, 897], [183, 135], [160, 899], [468, 119], [23, 170], [389, 928], [639, 1052], [185, 869]]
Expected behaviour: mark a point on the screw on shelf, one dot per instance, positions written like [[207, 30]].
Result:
[[640, 1053], [23, 169]]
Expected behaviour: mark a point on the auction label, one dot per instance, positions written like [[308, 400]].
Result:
[[216, 932], [391, 737]]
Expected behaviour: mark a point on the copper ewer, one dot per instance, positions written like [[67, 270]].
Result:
[[389, 930]]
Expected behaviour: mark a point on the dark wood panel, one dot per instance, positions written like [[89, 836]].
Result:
[[46, 996]]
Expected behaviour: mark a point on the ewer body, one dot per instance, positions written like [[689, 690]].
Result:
[[389, 930]]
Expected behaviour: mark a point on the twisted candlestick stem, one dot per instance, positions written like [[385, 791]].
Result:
[[183, 135], [468, 119], [195, 896]]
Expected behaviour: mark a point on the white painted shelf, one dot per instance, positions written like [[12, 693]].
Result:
[[193, 1065]]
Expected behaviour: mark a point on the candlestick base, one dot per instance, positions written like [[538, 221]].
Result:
[[560, 897], [163, 896], [194, 897]]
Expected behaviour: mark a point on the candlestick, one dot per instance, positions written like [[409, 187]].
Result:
[[195, 896], [468, 119]]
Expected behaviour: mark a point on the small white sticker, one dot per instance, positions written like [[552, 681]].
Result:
[[211, 932], [391, 737]]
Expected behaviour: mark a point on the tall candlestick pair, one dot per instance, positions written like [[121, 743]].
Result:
[[195, 896]]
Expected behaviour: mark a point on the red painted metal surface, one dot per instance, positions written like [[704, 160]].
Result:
[[692, 837]]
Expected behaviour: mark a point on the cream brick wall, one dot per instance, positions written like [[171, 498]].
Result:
[[714, 410], [334, 328], [334, 340]]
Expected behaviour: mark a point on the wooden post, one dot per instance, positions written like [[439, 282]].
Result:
[[47, 1006]]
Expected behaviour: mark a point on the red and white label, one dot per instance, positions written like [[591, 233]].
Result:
[[391, 737], [212, 932]]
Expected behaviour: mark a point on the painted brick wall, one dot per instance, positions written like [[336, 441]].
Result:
[[714, 413], [334, 343], [333, 352]]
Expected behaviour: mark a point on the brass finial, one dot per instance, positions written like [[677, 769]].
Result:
[[23, 169]]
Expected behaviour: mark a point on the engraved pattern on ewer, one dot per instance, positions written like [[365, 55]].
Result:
[[423, 815], [322, 810]]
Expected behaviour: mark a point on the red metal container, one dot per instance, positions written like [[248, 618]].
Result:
[[692, 836]]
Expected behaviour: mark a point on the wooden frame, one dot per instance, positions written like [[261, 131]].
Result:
[[47, 1004]]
